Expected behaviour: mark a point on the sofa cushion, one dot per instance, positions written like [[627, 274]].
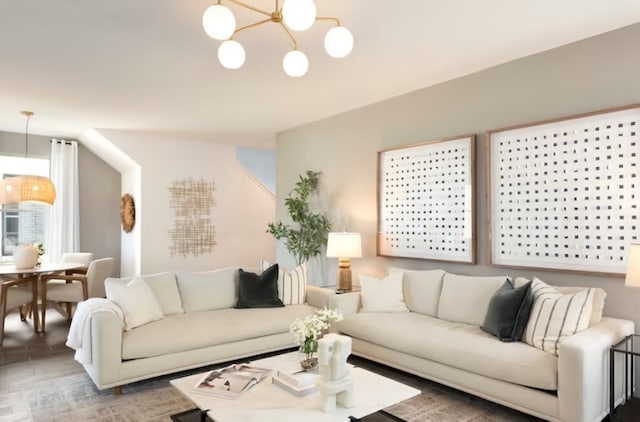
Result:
[[208, 290], [508, 312], [258, 291], [466, 298], [196, 330], [291, 284], [382, 295], [555, 315], [137, 301], [599, 296], [421, 289], [457, 345]]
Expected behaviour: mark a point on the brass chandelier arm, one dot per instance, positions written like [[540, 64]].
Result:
[[248, 6], [293, 40], [328, 18], [252, 25]]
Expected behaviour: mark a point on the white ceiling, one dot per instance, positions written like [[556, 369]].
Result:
[[148, 65]]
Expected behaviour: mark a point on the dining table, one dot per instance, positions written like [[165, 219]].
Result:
[[11, 276]]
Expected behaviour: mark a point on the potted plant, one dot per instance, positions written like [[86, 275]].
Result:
[[308, 235]]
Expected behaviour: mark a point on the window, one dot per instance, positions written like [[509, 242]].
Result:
[[24, 223]]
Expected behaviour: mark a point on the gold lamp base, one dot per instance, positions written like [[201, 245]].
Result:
[[344, 275]]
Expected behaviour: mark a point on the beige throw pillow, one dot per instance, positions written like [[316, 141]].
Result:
[[137, 301], [382, 295]]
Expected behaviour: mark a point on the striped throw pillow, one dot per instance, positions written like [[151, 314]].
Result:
[[292, 284], [555, 315]]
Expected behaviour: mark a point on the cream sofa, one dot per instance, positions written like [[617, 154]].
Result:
[[198, 326], [439, 338]]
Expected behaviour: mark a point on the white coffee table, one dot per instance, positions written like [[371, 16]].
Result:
[[268, 402]]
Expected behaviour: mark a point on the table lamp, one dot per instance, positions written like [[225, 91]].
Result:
[[632, 278], [343, 246]]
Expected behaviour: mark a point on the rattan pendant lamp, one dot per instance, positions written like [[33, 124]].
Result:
[[27, 188]]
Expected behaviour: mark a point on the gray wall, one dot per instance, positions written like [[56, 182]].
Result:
[[589, 75], [99, 194]]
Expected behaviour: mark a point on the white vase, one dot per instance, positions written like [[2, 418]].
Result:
[[25, 257]]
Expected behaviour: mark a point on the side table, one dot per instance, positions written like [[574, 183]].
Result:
[[629, 409], [339, 292]]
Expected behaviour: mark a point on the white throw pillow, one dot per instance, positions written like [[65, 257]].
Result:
[[466, 298], [165, 287], [291, 285], [208, 290], [421, 289], [382, 295], [555, 315], [137, 301]]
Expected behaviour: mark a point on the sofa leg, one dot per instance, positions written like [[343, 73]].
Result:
[[117, 390]]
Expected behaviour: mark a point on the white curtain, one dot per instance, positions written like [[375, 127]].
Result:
[[65, 212]]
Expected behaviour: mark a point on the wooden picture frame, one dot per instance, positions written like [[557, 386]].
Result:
[[426, 201], [564, 194]]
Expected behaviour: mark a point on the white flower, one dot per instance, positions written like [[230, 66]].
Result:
[[313, 325]]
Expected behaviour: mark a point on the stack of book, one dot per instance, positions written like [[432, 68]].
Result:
[[298, 383]]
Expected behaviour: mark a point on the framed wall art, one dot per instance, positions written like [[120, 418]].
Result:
[[565, 194], [426, 200]]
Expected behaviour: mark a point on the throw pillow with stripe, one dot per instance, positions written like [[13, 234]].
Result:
[[555, 315], [292, 284]]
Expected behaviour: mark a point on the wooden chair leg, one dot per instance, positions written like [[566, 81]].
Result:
[[43, 304], [68, 311], [23, 312], [3, 312]]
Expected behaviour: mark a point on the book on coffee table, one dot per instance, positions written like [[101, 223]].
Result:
[[298, 383], [232, 381]]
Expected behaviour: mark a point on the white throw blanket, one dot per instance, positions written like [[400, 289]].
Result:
[[79, 337]]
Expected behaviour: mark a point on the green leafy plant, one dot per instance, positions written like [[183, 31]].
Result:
[[308, 235]]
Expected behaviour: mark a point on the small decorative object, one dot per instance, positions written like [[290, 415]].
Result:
[[307, 239], [127, 212], [335, 383], [40, 248], [307, 331], [25, 256]]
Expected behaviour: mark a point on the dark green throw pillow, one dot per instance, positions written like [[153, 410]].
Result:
[[509, 311], [258, 291]]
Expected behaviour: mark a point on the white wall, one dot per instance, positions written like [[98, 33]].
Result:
[[590, 75], [243, 208]]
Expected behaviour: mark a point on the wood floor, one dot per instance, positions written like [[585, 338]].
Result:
[[27, 357]]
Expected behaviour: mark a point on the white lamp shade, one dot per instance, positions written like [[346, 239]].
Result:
[[295, 63], [218, 22], [633, 266], [299, 15], [231, 54], [338, 42], [344, 245]]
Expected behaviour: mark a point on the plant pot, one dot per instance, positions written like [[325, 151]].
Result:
[[309, 364], [25, 257]]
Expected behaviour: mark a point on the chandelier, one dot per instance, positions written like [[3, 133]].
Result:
[[294, 15], [26, 188]]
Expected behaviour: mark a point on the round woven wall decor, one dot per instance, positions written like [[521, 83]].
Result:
[[127, 212]]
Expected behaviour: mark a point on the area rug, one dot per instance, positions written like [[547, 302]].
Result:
[[74, 398]]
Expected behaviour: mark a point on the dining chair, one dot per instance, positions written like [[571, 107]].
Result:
[[74, 288], [83, 258], [13, 296]]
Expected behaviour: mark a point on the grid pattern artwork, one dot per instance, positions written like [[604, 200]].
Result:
[[426, 201], [564, 194], [193, 232]]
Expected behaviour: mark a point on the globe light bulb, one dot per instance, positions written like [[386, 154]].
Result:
[[299, 15], [338, 42], [218, 22], [295, 63], [231, 54]]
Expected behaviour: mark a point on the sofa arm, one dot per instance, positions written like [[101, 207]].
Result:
[[106, 350], [583, 370], [346, 303], [319, 297]]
